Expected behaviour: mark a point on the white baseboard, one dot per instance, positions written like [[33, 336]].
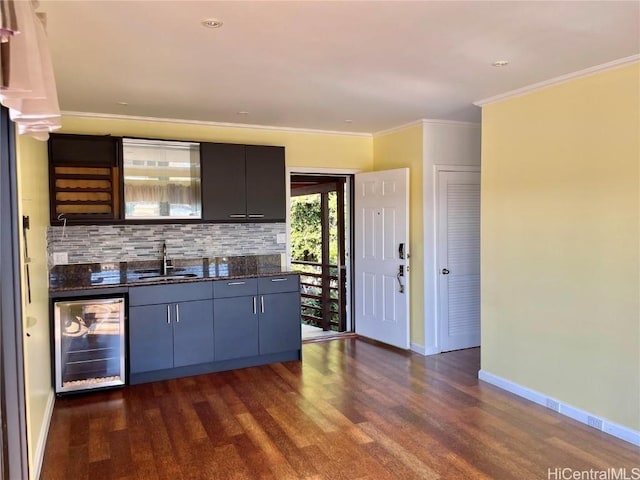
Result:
[[422, 350], [38, 454], [624, 433], [432, 350]]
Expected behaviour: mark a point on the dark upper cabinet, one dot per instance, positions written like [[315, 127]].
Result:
[[222, 167], [266, 194], [242, 182], [84, 179], [87, 150]]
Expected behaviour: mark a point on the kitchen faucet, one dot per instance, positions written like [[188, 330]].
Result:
[[166, 262]]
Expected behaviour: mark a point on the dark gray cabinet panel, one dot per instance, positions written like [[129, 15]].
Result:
[[223, 181], [89, 150], [284, 283], [279, 322], [265, 183], [235, 288], [170, 326], [243, 182], [259, 316], [236, 327], [193, 333], [150, 338]]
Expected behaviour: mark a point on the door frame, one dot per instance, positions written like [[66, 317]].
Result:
[[431, 255], [324, 171]]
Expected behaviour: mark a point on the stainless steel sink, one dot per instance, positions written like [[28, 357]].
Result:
[[174, 276]]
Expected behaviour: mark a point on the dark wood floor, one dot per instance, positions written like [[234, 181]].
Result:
[[350, 410]]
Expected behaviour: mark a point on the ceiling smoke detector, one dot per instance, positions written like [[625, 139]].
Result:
[[211, 23]]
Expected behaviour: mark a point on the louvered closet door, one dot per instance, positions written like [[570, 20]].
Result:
[[459, 259]]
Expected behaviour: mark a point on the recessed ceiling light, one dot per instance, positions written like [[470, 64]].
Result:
[[211, 23], [242, 113], [500, 63], [348, 121], [124, 104]]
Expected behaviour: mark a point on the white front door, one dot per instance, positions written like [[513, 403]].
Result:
[[458, 252], [381, 279]]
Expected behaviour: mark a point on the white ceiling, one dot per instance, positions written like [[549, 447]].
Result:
[[316, 64]]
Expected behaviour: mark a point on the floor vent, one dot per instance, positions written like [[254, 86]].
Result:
[[553, 405], [594, 422]]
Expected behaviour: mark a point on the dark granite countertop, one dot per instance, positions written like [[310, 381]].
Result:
[[85, 276]]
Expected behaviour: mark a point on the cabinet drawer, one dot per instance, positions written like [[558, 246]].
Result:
[[235, 288], [181, 292], [282, 283]]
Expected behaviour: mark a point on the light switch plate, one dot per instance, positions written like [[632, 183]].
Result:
[[60, 258], [281, 238]]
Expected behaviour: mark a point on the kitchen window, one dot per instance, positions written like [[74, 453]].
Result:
[[161, 179]]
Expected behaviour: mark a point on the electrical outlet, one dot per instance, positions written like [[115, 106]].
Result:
[[281, 238], [60, 258]]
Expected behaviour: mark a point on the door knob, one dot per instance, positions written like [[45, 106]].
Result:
[[445, 271]]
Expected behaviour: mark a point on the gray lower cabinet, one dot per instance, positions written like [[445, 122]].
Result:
[[199, 327], [193, 333], [170, 334], [150, 339], [256, 316], [236, 328], [279, 322], [235, 311]]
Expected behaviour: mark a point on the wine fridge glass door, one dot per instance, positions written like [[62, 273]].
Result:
[[89, 344]]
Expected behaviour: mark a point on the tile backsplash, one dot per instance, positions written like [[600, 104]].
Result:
[[126, 243]]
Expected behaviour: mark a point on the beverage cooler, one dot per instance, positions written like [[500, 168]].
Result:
[[89, 343]]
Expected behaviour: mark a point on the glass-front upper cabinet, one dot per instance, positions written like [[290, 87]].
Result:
[[161, 179]]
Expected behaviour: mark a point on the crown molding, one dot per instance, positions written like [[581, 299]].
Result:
[[404, 126], [559, 80], [452, 123], [423, 122], [108, 116]]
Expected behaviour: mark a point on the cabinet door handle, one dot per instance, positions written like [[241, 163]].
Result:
[[278, 279], [168, 314], [254, 306], [237, 215], [256, 215], [261, 303], [177, 313], [236, 283]]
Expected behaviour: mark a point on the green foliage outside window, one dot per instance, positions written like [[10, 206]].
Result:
[[306, 245], [306, 229]]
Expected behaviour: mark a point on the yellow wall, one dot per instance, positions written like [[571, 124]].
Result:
[[560, 243], [33, 200], [404, 148], [302, 149]]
